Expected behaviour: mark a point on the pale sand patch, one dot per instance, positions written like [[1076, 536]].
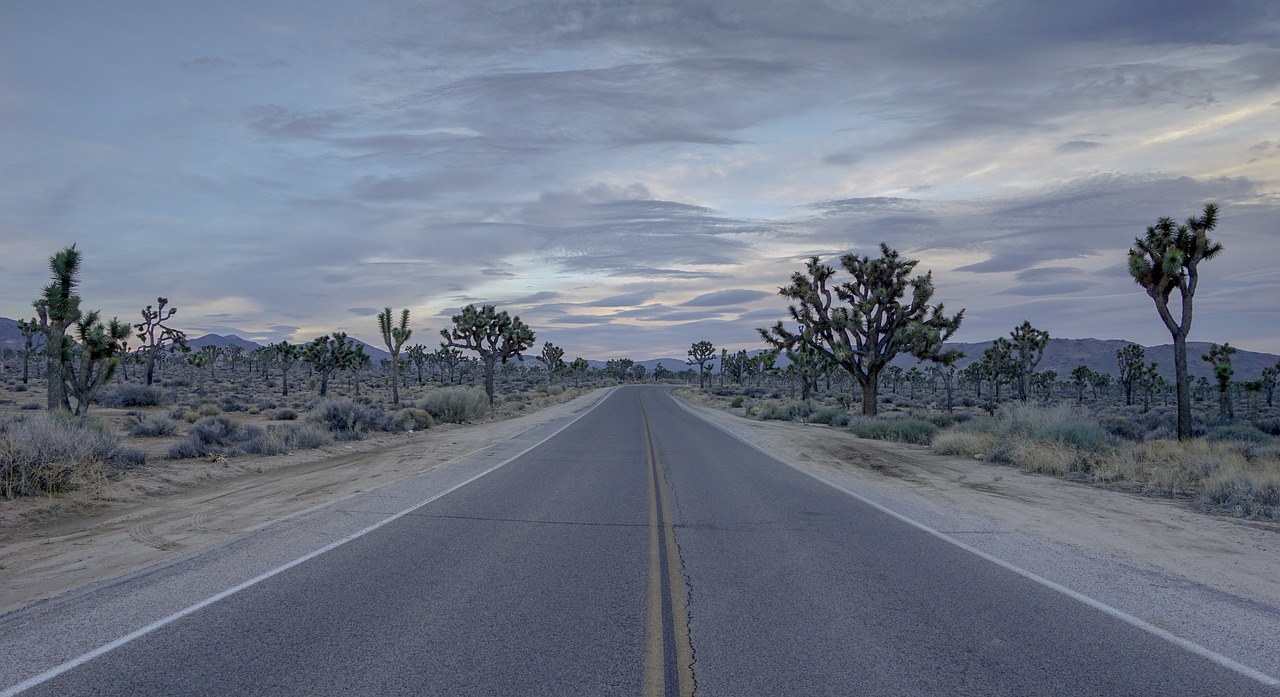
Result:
[[1235, 556], [174, 508]]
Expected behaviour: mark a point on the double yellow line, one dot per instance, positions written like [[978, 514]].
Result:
[[666, 634]]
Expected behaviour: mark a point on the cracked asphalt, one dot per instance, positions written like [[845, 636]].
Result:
[[534, 579]]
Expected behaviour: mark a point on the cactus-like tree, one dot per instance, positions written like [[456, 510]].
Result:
[[1166, 259], [1219, 356], [699, 354], [285, 355], [578, 369], [1130, 360], [552, 357], [1081, 376], [58, 309], [1028, 348], [395, 336], [29, 329], [418, 355], [327, 354], [99, 351], [495, 336], [1268, 380], [156, 335], [879, 322]]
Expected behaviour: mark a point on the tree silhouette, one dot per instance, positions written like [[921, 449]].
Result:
[[327, 354], [1219, 356], [100, 347], [699, 354], [156, 335], [875, 326], [29, 329], [1130, 360], [394, 336], [494, 336], [1168, 259], [1028, 348], [58, 308]]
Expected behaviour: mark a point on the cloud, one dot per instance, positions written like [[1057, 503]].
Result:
[[722, 298]]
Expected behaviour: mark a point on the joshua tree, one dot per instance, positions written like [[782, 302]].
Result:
[[1081, 376], [1220, 358], [495, 336], [619, 368], [418, 356], [876, 326], [578, 369], [1028, 349], [1168, 259], [285, 354], [59, 308], [394, 336], [1130, 360], [29, 328], [327, 354], [552, 357], [1268, 381], [997, 364], [100, 347], [699, 354], [156, 335]]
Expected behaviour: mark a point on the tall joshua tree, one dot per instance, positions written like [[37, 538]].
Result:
[[495, 336], [328, 354], [29, 328], [156, 335], [879, 322], [101, 346], [285, 354], [1130, 360], [58, 308], [1028, 348], [699, 354], [552, 357], [1166, 259], [395, 337], [1219, 356]]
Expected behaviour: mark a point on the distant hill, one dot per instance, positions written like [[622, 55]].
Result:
[[10, 337], [1063, 355]]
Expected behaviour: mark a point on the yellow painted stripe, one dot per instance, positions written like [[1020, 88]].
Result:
[[654, 684]]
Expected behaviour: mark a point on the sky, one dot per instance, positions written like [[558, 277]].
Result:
[[632, 177]]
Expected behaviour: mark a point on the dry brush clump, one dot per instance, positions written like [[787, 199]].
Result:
[[52, 453], [458, 405], [1234, 469]]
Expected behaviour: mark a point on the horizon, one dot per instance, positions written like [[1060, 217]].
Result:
[[632, 179]]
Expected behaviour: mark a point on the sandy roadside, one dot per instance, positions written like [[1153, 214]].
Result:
[[175, 509]]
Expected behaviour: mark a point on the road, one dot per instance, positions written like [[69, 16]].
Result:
[[638, 551]]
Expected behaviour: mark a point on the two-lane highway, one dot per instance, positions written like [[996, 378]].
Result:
[[642, 551]]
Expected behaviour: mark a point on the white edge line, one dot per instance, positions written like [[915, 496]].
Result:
[[105, 648], [1255, 674]]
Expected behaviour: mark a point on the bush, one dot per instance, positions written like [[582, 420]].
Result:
[[411, 419], [309, 436], [347, 419], [830, 416], [284, 415], [154, 425], [555, 390], [455, 404], [1237, 432], [961, 443], [775, 410], [916, 431], [1244, 493], [50, 453], [125, 396], [208, 409]]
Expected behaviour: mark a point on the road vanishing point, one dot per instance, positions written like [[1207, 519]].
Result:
[[632, 548]]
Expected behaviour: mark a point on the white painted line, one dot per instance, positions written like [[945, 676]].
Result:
[[1255, 674], [85, 658]]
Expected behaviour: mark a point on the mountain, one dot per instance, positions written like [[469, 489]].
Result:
[[1063, 355], [11, 337]]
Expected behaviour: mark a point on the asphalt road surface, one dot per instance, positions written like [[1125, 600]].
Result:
[[642, 551]]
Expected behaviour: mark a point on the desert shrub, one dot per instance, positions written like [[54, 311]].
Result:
[[411, 419], [960, 443], [256, 440], [455, 404], [1082, 435], [555, 390], [737, 402], [214, 430], [50, 453], [831, 416], [1236, 432], [208, 409], [154, 425], [30, 406], [306, 435], [978, 424], [19, 387], [916, 431], [346, 418], [125, 396], [284, 415], [778, 410], [1243, 492]]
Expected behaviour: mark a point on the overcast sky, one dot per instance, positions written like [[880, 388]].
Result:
[[631, 177]]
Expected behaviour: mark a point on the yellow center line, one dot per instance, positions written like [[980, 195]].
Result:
[[662, 530]]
